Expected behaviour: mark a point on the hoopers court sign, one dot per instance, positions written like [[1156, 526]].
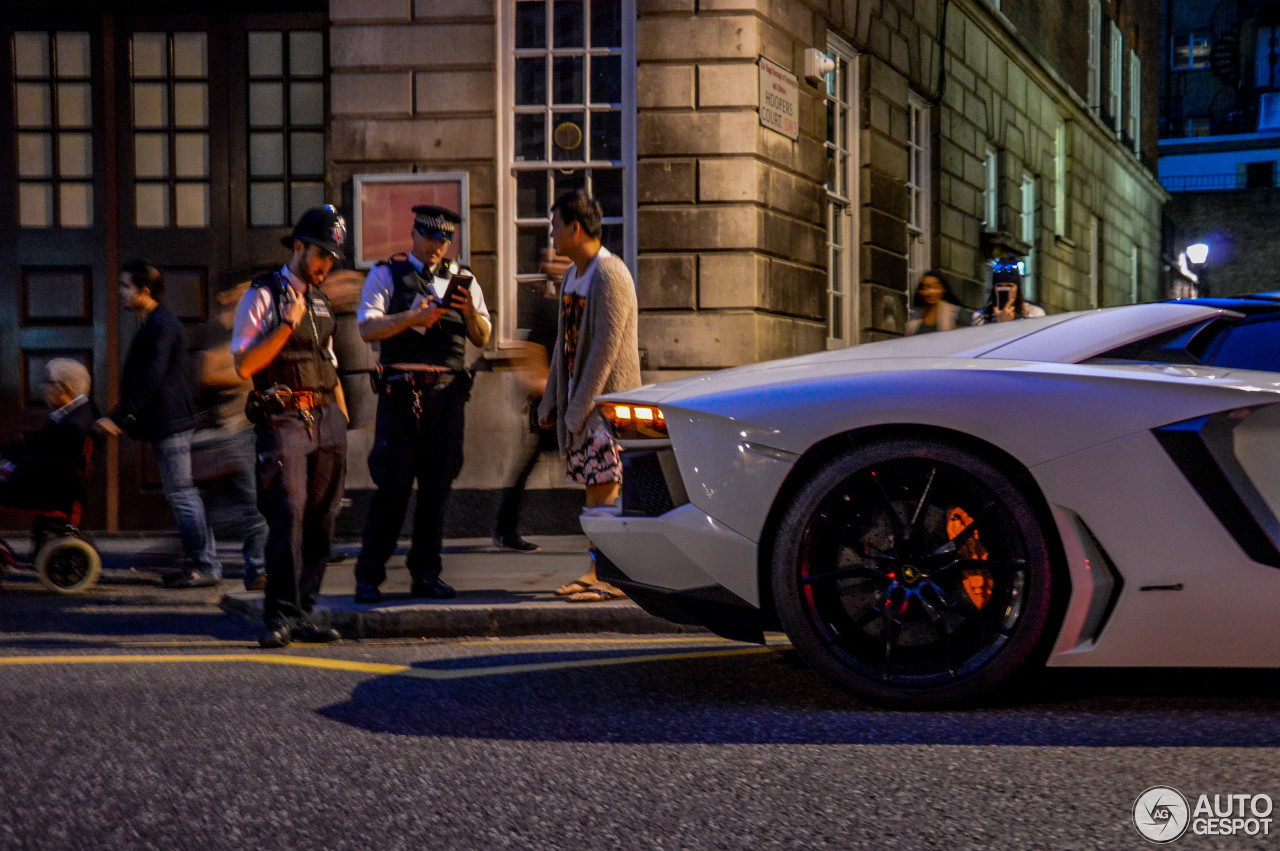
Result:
[[779, 99]]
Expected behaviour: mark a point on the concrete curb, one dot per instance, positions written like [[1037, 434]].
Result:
[[459, 618]]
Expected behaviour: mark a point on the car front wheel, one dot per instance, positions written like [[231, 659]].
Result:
[[912, 573]]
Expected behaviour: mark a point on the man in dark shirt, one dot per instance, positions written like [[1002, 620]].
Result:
[[156, 407]]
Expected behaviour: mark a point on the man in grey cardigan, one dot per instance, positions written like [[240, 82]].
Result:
[[595, 352]]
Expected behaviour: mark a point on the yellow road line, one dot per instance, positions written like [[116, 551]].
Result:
[[379, 668]]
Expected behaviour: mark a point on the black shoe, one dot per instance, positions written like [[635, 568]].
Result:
[[275, 635], [515, 543], [431, 588], [309, 633], [189, 579], [366, 593]]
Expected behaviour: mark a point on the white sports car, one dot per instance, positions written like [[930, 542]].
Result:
[[926, 517]]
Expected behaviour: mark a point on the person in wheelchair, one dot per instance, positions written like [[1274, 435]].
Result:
[[45, 471]]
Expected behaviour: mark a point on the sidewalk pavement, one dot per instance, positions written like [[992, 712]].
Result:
[[499, 592]]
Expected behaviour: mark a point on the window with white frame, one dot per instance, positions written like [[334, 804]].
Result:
[[53, 106], [1135, 270], [842, 171], [919, 193], [1189, 51], [991, 190], [1116, 76], [1061, 178], [1028, 226], [1095, 54], [570, 89], [1135, 101], [1095, 262], [1266, 62]]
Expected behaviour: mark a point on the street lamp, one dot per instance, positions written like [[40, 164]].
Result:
[[1198, 256]]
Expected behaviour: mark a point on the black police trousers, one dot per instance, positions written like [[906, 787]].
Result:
[[301, 474], [426, 447]]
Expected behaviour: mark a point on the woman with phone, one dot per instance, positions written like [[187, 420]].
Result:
[[1006, 302]]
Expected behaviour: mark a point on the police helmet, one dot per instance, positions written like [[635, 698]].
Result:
[[322, 227]]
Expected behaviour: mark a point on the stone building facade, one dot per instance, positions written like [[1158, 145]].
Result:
[[914, 134]]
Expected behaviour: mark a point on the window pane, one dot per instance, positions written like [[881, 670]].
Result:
[[73, 54], [150, 105], [191, 104], [306, 104], [191, 154], [606, 185], [531, 138], [151, 155], [567, 182], [304, 196], [306, 154], [266, 205], [153, 205], [76, 200], [606, 79], [193, 205], [611, 238], [266, 104], [75, 105], [75, 155], [531, 80], [529, 244], [306, 54], [567, 30], [567, 136], [266, 154], [30, 54], [606, 24], [264, 54], [531, 24], [150, 55], [35, 155], [566, 80], [606, 136], [531, 194], [35, 205], [34, 105], [190, 55]]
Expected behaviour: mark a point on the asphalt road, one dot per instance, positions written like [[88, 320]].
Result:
[[140, 740]]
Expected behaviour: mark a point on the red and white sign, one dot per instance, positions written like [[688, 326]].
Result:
[[779, 99]]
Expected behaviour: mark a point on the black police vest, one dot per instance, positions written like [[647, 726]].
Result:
[[303, 363], [443, 344]]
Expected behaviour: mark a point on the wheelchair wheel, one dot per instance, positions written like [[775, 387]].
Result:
[[68, 565]]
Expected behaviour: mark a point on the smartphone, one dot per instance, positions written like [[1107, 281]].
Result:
[[1003, 295], [458, 282]]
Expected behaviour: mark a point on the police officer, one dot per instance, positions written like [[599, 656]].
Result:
[[422, 386], [283, 339]]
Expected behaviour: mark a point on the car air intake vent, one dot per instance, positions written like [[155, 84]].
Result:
[[646, 488]]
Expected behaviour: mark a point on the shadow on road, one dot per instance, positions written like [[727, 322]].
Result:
[[773, 698]]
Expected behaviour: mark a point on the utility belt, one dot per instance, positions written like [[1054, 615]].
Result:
[[282, 399], [411, 377]]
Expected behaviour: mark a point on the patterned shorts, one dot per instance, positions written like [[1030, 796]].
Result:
[[596, 462]]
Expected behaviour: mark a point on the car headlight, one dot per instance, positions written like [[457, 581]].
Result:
[[635, 422]]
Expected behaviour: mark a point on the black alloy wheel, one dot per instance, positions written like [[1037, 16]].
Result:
[[912, 574]]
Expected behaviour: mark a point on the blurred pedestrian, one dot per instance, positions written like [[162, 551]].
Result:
[[936, 306], [1006, 302], [534, 361], [595, 352], [156, 407], [223, 448], [283, 339], [421, 309]]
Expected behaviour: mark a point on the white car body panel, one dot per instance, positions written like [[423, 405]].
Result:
[[1083, 431]]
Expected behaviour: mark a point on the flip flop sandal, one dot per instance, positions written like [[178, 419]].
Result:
[[577, 586], [596, 595]]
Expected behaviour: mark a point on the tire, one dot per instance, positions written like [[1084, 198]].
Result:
[[912, 574], [68, 565]]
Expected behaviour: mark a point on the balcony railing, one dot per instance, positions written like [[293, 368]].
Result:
[[1203, 182]]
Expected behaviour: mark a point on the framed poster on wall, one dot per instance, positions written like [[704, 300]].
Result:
[[384, 212]]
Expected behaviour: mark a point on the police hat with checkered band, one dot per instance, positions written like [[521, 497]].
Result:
[[322, 227], [435, 222]]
